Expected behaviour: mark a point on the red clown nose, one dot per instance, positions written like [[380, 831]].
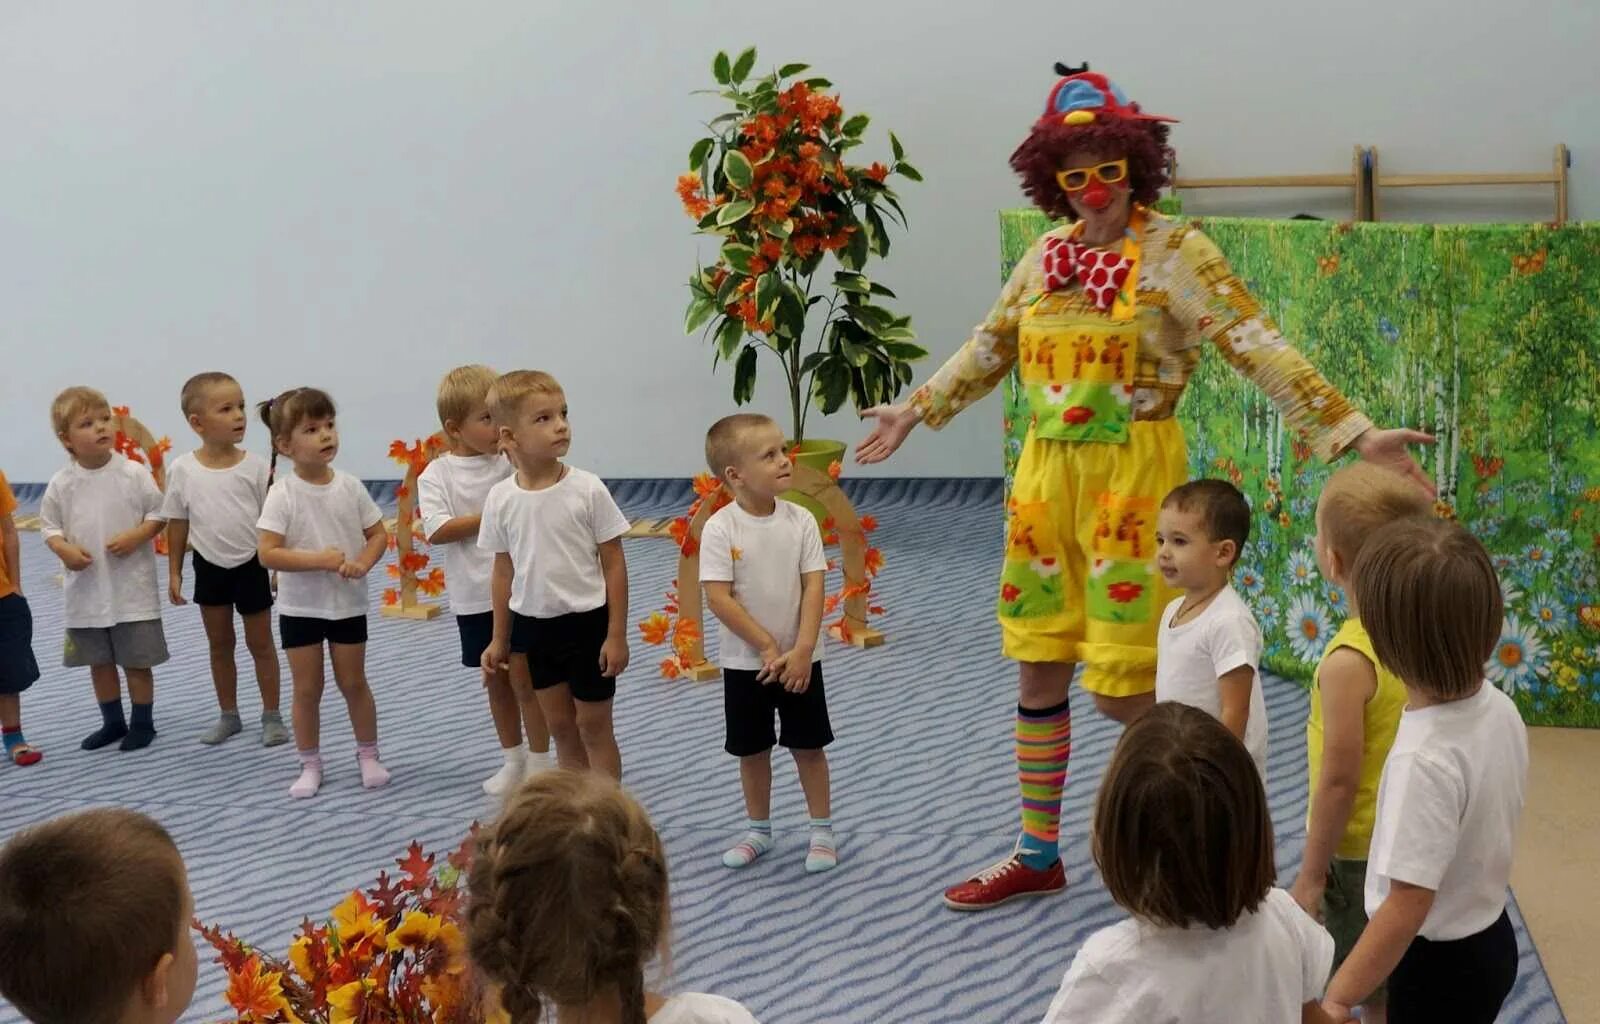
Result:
[[1097, 196]]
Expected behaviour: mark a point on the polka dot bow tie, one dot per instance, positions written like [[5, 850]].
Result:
[[1100, 273]]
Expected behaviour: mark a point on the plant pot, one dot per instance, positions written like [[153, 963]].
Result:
[[817, 455]]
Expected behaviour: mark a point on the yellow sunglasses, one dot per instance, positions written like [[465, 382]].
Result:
[[1076, 179]]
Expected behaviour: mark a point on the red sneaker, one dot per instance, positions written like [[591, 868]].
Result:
[[1000, 883]]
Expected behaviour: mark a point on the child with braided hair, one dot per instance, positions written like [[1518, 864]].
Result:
[[568, 902]]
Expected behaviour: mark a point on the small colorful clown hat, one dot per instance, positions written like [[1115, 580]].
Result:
[[1082, 96]]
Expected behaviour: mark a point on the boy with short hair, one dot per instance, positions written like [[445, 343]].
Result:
[[94, 921], [762, 568], [1208, 651], [18, 669], [99, 515], [1355, 710], [450, 496], [559, 584]]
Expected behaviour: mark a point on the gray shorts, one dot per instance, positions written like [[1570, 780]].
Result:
[[127, 644]]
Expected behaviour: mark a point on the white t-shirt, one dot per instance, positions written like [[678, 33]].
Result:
[[221, 506], [700, 1008], [315, 517], [1448, 805], [553, 537], [88, 507], [452, 486], [1262, 970], [1190, 658], [763, 557]]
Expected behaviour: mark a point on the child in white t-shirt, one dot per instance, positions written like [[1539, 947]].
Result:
[[567, 902], [1452, 789], [99, 515], [450, 495], [321, 530], [1183, 839], [762, 568], [559, 584], [214, 497], [1208, 650]]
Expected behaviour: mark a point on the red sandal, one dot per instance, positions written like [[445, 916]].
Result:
[[24, 754]]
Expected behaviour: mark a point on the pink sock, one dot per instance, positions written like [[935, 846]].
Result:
[[310, 779], [373, 773]]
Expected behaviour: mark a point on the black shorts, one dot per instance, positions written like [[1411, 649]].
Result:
[[1460, 980], [566, 649], [302, 631], [476, 632], [18, 667], [748, 706], [246, 587]]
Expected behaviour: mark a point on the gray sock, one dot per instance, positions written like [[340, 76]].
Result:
[[273, 733], [227, 724]]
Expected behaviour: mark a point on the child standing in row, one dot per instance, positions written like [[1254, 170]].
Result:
[[18, 669], [1452, 789], [450, 496], [762, 567], [213, 500], [559, 584], [1183, 839], [1208, 652], [1355, 710], [99, 515], [321, 530]]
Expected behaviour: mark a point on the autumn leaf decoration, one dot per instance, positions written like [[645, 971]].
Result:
[[410, 565], [153, 455], [394, 952]]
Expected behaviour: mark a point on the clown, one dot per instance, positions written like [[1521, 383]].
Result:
[[1105, 318]]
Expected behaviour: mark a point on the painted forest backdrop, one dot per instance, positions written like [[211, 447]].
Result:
[[1487, 336]]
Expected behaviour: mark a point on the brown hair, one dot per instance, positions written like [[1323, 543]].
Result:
[[1045, 150], [195, 388], [510, 390], [1222, 508], [461, 390], [1360, 498], [567, 896], [725, 439], [1431, 602], [70, 403], [1182, 834], [290, 409], [89, 904]]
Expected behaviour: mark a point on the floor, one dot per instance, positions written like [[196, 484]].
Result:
[[924, 784]]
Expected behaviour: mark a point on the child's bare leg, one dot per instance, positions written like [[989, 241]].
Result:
[[108, 694], [755, 778], [258, 640], [599, 738], [107, 683], [306, 675], [350, 675], [557, 705], [220, 641], [10, 711], [812, 766], [533, 722]]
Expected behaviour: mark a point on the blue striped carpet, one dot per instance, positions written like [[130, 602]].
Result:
[[923, 780]]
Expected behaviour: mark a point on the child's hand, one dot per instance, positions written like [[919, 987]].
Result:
[[613, 656], [496, 659], [175, 590], [332, 559], [75, 558], [795, 671], [1338, 1011], [1308, 893], [771, 664], [124, 543], [351, 570]]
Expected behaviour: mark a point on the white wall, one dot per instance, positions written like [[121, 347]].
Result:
[[363, 194]]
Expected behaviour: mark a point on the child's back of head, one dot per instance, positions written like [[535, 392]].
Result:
[[568, 897], [1182, 834], [1357, 501], [94, 920]]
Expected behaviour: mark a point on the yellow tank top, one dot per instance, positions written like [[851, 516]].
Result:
[[1379, 722]]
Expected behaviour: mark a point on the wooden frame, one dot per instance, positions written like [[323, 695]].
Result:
[[1556, 178], [1357, 181]]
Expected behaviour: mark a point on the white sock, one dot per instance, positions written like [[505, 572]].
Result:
[[538, 761], [509, 774]]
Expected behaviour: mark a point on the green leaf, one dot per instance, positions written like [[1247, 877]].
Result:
[[738, 256], [899, 150], [855, 355], [855, 126], [697, 153], [873, 318], [879, 237], [742, 66], [904, 351], [791, 69], [813, 361], [854, 254], [744, 375], [831, 385], [849, 281], [791, 317], [769, 289], [701, 309], [881, 289], [721, 69], [734, 212], [778, 228], [737, 167], [905, 170], [729, 290], [903, 374], [894, 201], [896, 334], [731, 115], [818, 83], [738, 98], [729, 335]]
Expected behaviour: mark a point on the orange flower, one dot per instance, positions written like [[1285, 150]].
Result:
[[655, 628], [809, 150], [772, 250], [759, 264], [692, 197], [877, 172], [804, 245]]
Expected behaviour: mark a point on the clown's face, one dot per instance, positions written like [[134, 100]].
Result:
[[1103, 206]]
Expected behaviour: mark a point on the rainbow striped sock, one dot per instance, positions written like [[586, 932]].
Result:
[[1044, 743], [752, 844]]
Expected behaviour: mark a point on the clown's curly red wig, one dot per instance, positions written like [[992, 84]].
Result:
[[1045, 150]]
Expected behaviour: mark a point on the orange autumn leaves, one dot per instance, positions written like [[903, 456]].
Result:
[[409, 565]]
